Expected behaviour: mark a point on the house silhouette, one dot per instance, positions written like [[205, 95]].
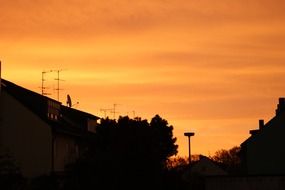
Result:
[[40, 133], [204, 167], [263, 153]]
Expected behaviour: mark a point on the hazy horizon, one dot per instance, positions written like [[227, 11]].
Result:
[[211, 67]]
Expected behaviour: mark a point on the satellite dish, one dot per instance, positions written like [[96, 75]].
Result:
[[68, 101]]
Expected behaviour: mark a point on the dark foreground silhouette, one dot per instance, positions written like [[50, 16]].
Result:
[[123, 154], [129, 153]]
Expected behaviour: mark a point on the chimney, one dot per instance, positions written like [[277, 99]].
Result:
[[280, 106], [253, 132], [261, 124]]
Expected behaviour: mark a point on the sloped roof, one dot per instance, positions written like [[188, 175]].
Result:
[[32, 100], [276, 121], [207, 167], [256, 133], [203, 167], [71, 121]]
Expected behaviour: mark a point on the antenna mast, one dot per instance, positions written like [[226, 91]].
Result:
[[44, 93], [58, 80], [105, 111], [114, 110]]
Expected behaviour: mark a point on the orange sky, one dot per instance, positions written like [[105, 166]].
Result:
[[213, 67]]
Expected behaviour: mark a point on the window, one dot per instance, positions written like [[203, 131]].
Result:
[[92, 124], [53, 109]]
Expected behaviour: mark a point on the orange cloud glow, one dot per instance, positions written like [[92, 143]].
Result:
[[212, 67]]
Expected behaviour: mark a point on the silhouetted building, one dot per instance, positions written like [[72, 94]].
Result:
[[200, 170], [204, 167], [263, 152], [41, 134]]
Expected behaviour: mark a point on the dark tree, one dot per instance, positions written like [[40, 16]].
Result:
[[228, 159], [127, 153], [163, 142]]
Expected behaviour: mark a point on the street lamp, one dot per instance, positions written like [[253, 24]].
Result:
[[189, 134]]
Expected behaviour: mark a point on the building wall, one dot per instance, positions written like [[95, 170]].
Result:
[[65, 151], [265, 153], [26, 136], [245, 183]]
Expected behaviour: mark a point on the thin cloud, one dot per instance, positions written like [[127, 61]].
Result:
[[210, 60]]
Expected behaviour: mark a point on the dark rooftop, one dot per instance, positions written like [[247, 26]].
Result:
[[68, 119]]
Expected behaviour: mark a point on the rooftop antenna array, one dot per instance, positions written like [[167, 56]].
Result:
[[58, 80], [44, 93], [112, 110], [105, 111]]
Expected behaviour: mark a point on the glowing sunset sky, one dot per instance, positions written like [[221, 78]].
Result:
[[212, 66]]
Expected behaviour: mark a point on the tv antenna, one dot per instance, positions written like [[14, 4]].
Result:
[[44, 93], [69, 102], [114, 110], [111, 110], [105, 111], [75, 104], [58, 79]]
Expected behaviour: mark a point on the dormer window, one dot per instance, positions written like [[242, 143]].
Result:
[[53, 110], [92, 125]]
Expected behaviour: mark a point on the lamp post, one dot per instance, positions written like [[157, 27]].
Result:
[[189, 134]]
